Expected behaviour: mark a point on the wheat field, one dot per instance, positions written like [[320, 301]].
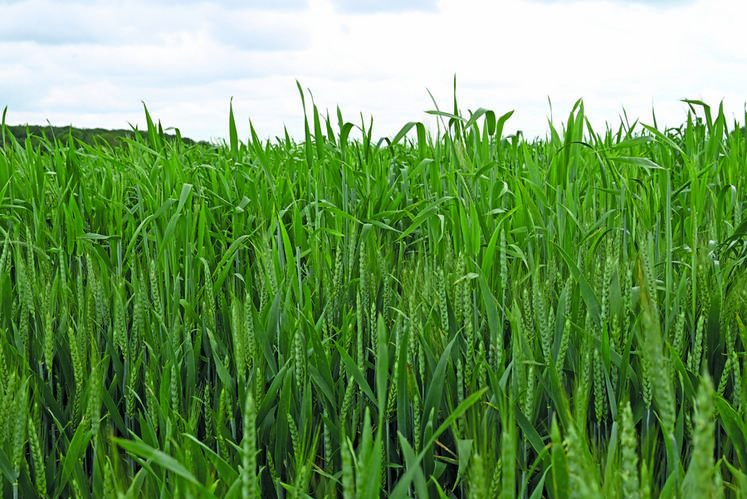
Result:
[[458, 313]]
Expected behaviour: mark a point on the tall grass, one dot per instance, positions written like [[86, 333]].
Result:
[[450, 314]]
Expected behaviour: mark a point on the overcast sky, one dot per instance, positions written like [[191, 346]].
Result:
[[92, 63]]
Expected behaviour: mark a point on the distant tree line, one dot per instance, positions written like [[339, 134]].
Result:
[[62, 134]]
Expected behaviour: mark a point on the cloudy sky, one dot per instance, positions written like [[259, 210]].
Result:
[[92, 63]]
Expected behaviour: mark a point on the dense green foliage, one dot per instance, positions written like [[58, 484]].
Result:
[[42, 136], [452, 314]]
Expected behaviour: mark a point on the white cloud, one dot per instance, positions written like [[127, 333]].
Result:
[[92, 64], [240, 4], [374, 6], [249, 26]]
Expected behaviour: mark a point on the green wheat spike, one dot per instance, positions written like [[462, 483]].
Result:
[[239, 338], [600, 391], [702, 467], [629, 458], [478, 487]]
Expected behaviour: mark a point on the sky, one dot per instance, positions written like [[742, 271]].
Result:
[[94, 63]]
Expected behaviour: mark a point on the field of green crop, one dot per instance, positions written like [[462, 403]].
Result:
[[457, 313]]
